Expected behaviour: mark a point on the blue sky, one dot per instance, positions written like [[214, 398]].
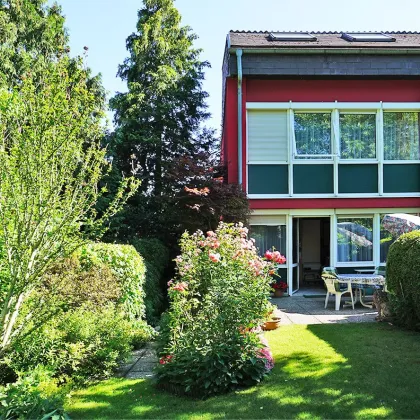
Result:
[[103, 26]]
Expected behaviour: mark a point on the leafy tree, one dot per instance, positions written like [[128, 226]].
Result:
[[50, 165], [29, 28], [159, 120]]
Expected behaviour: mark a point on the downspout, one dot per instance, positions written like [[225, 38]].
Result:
[[239, 62]]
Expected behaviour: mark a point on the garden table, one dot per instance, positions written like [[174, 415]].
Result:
[[360, 282]]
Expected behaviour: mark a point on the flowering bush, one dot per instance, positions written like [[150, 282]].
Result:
[[281, 285], [218, 300]]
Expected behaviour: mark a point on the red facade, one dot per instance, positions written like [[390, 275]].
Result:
[[271, 90]]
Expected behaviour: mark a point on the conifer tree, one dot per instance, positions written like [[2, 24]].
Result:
[[159, 120]]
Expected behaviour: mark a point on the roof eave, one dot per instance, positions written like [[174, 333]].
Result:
[[323, 50]]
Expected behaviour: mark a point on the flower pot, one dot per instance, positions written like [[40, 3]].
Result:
[[271, 325], [278, 293]]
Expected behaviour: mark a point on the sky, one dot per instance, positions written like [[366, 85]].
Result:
[[103, 26]]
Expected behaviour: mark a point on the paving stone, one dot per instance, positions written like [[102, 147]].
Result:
[[301, 310], [139, 375], [142, 367]]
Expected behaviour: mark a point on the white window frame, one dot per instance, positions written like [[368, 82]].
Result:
[[384, 110], [361, 160], [374, 242], [335, 108], [324, 158]]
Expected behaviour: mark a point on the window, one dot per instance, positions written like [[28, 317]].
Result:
[[312, 135], [401, 136], [292, 36], [267, 237], [358, 136], [355, 239], [267, 136], [387, 239], [367, 37]]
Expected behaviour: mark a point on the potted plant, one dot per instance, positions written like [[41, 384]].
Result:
[[279, 288]]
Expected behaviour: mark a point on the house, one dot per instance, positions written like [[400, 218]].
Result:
[[322, 131]]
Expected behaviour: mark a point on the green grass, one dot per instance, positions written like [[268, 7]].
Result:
[[322, 371]]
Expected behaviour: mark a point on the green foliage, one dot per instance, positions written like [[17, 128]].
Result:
[[156, 257], [32, 33], [218, 298], [51, 163], [159, 119], [126, 265], [402, 279], [79, 345], [226, 367], [32, 396]]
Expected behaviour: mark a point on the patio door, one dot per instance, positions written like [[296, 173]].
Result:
[[295, 254]]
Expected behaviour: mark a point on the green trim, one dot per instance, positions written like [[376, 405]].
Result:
[[402, 178], [268, 179], [313, 179], [357, 178]]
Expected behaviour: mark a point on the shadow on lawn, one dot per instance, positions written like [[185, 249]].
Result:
[[355, 372]]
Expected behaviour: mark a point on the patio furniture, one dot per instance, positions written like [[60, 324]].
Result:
[[360, 282], [330, 277]]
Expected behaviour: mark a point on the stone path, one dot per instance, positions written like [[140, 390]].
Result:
[[301, 310], [140, 364]]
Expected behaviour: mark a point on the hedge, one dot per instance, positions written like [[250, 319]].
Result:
[[156, 257], [403, 279], [126, 265]]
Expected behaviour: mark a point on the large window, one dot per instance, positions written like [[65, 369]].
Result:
[[387, 239], [358, 136], [312, 135], [355, 239], [267, 237], [401, 136]]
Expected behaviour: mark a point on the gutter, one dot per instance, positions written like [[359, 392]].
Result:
[[239, 63], [376, 51]]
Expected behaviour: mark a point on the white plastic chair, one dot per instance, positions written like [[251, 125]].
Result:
[[329, 275]]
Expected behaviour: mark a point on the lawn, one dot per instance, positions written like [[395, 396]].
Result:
[[322, 371]]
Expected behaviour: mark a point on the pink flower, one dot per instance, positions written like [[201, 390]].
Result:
[[243, 231], [170, 282], [180, 287], [165, 359], [215, 244], [210, 233], [278, 258], [268, 255], [266, 354], [214, 257]]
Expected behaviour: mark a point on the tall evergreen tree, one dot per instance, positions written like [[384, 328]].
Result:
[[158, 121], [31, 34]]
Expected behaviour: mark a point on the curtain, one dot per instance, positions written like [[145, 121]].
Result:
[[312, 134], [358, 136], [401, 136], [267, 237]]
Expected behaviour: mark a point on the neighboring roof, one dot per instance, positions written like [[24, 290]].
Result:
[[249, 39]]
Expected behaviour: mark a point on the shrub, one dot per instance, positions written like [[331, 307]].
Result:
[[218, 300], [403, 281], [156, 257], [69, 285], [32, 396], [81, 344], [126, 265]]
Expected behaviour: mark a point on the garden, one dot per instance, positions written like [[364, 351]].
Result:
[[95, 262]]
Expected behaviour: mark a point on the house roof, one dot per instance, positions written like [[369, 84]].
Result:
[[325, 40]]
